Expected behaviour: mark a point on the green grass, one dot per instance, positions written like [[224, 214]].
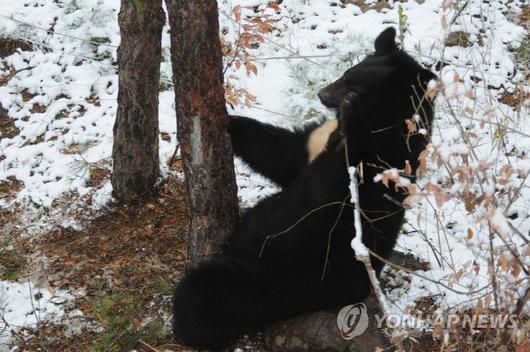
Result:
[[523, 51], [161, 286], [122, 327], [11, 265]]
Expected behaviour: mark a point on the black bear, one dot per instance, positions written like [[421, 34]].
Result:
[[291, 253]]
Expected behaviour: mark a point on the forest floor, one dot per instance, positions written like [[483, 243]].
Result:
[[119, 269], [80, 273], [112, 278]]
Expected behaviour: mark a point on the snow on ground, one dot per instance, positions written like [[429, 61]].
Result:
[[72, 73], [24, 304]]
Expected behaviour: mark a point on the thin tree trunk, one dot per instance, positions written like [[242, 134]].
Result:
[[202, 121], [135, 149]]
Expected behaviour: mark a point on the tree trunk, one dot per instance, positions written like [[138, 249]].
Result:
[[319, 331], [202, 122], [135, 149]]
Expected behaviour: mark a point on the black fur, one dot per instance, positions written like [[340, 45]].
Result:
[[275, 152], [266, 273]]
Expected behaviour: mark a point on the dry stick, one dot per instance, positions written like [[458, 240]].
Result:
[[53, 32], [12, 329], [271, 111], [516, 255], [273, 42], [92, 59], [492, 123], [251, 105], [519, 233], [373, 220], [10, 75], [174, 154], [517, 193], [492, 270], [453, 114], [459, 12], [362, 253], [37, 317], [148, 346], [439, 223], [434, 250], [412, 272], [328, 248], [294, 56], [269, 238], [343, 204], [519, 305], [239, 46], [485, 179], [522, 301]]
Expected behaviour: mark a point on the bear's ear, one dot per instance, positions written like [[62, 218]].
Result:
[[385, 42]]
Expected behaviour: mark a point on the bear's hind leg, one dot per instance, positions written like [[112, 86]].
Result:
[[215, 303]]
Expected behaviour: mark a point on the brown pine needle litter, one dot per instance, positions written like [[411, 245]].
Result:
[[121, 269]]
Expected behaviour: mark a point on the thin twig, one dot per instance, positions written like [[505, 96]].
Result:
[[174, 154], [412, 272], [519, 305], [516, 194], [49, 31], [328, 248], [148, 346], [10, 75], [492, 270], [516, 256], [269, 238]]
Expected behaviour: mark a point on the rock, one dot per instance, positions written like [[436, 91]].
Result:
[[408, 261], [458, 38], [58, 300]]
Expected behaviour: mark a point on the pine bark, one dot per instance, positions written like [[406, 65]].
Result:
[[319, 331], [135, 149], [202, 121]]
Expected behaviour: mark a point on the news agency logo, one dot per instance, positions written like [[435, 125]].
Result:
[[352, 320]]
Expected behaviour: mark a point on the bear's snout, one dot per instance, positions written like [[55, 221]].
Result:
[[324, 97], [332, 95]]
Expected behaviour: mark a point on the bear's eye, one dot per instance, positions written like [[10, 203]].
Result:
[[349, 79], [360, 90]]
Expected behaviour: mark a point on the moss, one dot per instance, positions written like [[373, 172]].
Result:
[[11, 265]]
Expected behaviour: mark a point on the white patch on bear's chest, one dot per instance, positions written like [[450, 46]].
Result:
[[318, 139]]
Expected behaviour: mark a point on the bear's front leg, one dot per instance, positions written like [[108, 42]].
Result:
[[274, 152]]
